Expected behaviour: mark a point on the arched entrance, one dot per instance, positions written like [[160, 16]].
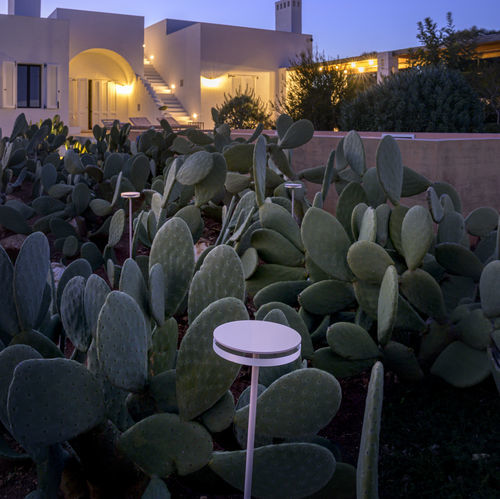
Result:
[[101, 82]]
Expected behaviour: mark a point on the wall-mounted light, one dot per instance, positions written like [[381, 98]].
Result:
[[321, 68], [371, 62], [212, 82], [172, 86], [361, 70], [124, 89], [195, 116], [151, 57], [143, 45], [353, 64]]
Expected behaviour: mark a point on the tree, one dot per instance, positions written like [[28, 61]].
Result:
[[243, 110], [315, 90], [445, 46], [429, 99]]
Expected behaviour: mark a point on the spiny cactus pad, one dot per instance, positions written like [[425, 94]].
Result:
[[157, 293], [351, 341], [38, 417], [284, 292], [275, 248], [368, 261], [367, 470], [197, 362], [96, 290], [122, 342], [205, 190], [387, 309], [286, 470], [401, 359], [327, 243], [294, 321], [458, 260], [220, 276], [8, 317], [30, 275], [417, 235], [424, 293], [196, 167], [488, 287], [132, 283], [461, 366], [327, 297], [10, 358], [173, 248], [73, 314], [163, 444], [390, 168], [220, 416], [284, 409], [275, 217]]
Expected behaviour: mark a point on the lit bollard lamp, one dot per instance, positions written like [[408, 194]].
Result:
[[255, 343], [130, 196], [293, 186]]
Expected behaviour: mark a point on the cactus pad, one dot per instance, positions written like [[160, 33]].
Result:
[[390, 168], [197, 362], [163, 444], [351, 341], [368, 261], [286, 470], [461, 366], [367, 470], [417, 235], [327, 243], [387, 309], [275, 248], [30, 275], [220, 276], [96, 291], [284, 409], [73, 314], [488, 288], [327, 297], [8, 317], [173, 249], [122, 342], [37, 416]]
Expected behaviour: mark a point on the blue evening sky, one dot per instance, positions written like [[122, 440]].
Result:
[[340, 27]]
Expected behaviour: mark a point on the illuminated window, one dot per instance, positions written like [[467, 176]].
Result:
[[29, 85]]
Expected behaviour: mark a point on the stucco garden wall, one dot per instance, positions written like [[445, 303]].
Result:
[[471, 163]]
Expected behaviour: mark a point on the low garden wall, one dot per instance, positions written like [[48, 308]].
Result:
[[470, 162]]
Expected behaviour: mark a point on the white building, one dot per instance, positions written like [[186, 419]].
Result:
[[91, 66]]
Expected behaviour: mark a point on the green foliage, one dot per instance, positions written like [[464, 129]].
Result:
[[427, 99], [315, 90], [243, 110]]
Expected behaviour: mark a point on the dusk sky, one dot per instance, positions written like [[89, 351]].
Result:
[[339, 28]]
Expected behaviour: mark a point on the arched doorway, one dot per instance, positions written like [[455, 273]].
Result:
[[101, 82]]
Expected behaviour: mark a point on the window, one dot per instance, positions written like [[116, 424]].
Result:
[[29, 85], [288, 3]]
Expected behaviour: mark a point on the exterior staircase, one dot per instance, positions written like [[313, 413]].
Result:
[[162, 95]]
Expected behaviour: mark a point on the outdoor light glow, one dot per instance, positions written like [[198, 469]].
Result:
[[353, 64], [195, 116], [321, 68], [371, 62], [124, 89], [345, 71], [361, 70], [211, 82], [151, 57], [172, 86], [143, 45]]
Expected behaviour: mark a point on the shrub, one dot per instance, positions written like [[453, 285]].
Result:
[[429, 99], [243, 110]]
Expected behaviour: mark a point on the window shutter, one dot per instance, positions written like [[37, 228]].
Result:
[[52, 88], [9, 84]]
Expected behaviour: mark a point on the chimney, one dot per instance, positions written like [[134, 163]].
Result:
[[289, 16], [30, 8]]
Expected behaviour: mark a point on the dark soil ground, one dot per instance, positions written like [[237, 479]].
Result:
[[436, 441]]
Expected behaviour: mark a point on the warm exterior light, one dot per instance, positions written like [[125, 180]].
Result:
[[321, 68], [345, 71], [361, 70], [124, 89], [143, 45], [195, 116], [151, 57], [211, 82], [353, 64], [371, 62], [172, 86]]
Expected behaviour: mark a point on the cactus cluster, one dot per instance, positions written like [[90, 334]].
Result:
[[378, 284]]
